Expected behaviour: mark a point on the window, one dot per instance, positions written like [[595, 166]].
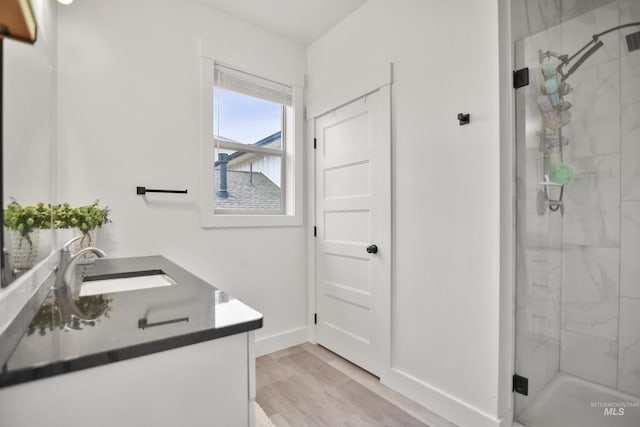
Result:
[[249, 122], [249, 141]]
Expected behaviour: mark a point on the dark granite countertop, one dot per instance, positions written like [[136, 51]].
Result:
[[127, 324]]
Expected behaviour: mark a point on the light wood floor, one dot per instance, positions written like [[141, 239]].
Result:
[[307, 385]]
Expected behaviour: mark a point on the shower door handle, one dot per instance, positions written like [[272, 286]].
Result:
[[372, 249]]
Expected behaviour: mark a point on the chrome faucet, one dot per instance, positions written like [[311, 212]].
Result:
[[65, 252], [66, 260], [64, 298], [72, 259]]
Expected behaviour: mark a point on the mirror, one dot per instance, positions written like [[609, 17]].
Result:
[[28, 138]]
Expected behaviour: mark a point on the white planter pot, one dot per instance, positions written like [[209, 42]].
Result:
[[25, 249]]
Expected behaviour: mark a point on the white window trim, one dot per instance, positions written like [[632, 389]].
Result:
[[292, 179]]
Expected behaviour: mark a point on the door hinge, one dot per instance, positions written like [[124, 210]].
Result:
[[315, 143], [315, 231], [521, 78], [521, 384], [315, 318]]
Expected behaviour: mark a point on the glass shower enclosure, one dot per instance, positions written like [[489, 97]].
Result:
[[578, 213]]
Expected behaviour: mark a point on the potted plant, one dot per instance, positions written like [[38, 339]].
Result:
[[24, 224], [84, 219]]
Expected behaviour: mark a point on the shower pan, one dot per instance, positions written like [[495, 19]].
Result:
[[577, 339]]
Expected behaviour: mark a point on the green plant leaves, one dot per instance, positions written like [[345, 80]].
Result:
[[27, 218], [41, 216]]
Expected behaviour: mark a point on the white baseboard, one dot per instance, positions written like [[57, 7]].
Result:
[[447, 406], [282, 340]]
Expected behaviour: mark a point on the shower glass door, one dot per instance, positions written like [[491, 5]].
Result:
[[578, 213]]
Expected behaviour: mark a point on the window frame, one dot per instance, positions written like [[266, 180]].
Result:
[[292, 160]]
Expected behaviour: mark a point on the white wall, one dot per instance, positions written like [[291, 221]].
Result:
[[446, 304], [29, 140], [129, 115], [29, 116], [29, 84]]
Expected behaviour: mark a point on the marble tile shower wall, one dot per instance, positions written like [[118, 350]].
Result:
[[629, 334], [600, 338], [591, 225], [532, 16], [578, 284]]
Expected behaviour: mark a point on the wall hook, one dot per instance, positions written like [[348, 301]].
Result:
[[464, 119]]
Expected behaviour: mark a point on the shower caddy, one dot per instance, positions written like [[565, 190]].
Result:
[[555, 113]]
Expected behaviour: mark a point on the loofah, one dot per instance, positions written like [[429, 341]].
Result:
[[560, 173]]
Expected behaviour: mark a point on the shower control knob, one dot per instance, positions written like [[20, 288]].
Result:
[[372, 249]]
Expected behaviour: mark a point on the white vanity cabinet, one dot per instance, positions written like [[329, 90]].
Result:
[[211, 383], [168, 356]]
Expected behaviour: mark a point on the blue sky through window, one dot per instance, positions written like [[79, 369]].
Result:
[[244, 118]]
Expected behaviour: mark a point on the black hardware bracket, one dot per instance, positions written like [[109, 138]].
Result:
[[464, 119], [144, 323], [145, 190], [521, 384], [521, 78]]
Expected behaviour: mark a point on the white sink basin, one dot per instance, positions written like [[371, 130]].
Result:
[[123, 282]]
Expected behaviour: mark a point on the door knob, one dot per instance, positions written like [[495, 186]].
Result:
[[372, 249]]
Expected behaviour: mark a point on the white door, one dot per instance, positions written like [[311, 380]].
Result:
[[353, 186]]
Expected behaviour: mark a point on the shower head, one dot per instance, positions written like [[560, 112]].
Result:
[[633, 41]]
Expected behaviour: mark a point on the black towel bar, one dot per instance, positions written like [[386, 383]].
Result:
[[144, 323], [145, 190]]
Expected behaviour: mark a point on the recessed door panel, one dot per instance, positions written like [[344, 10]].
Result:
[[347, 181], [348, 140], [348, 271], [347, 226]]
